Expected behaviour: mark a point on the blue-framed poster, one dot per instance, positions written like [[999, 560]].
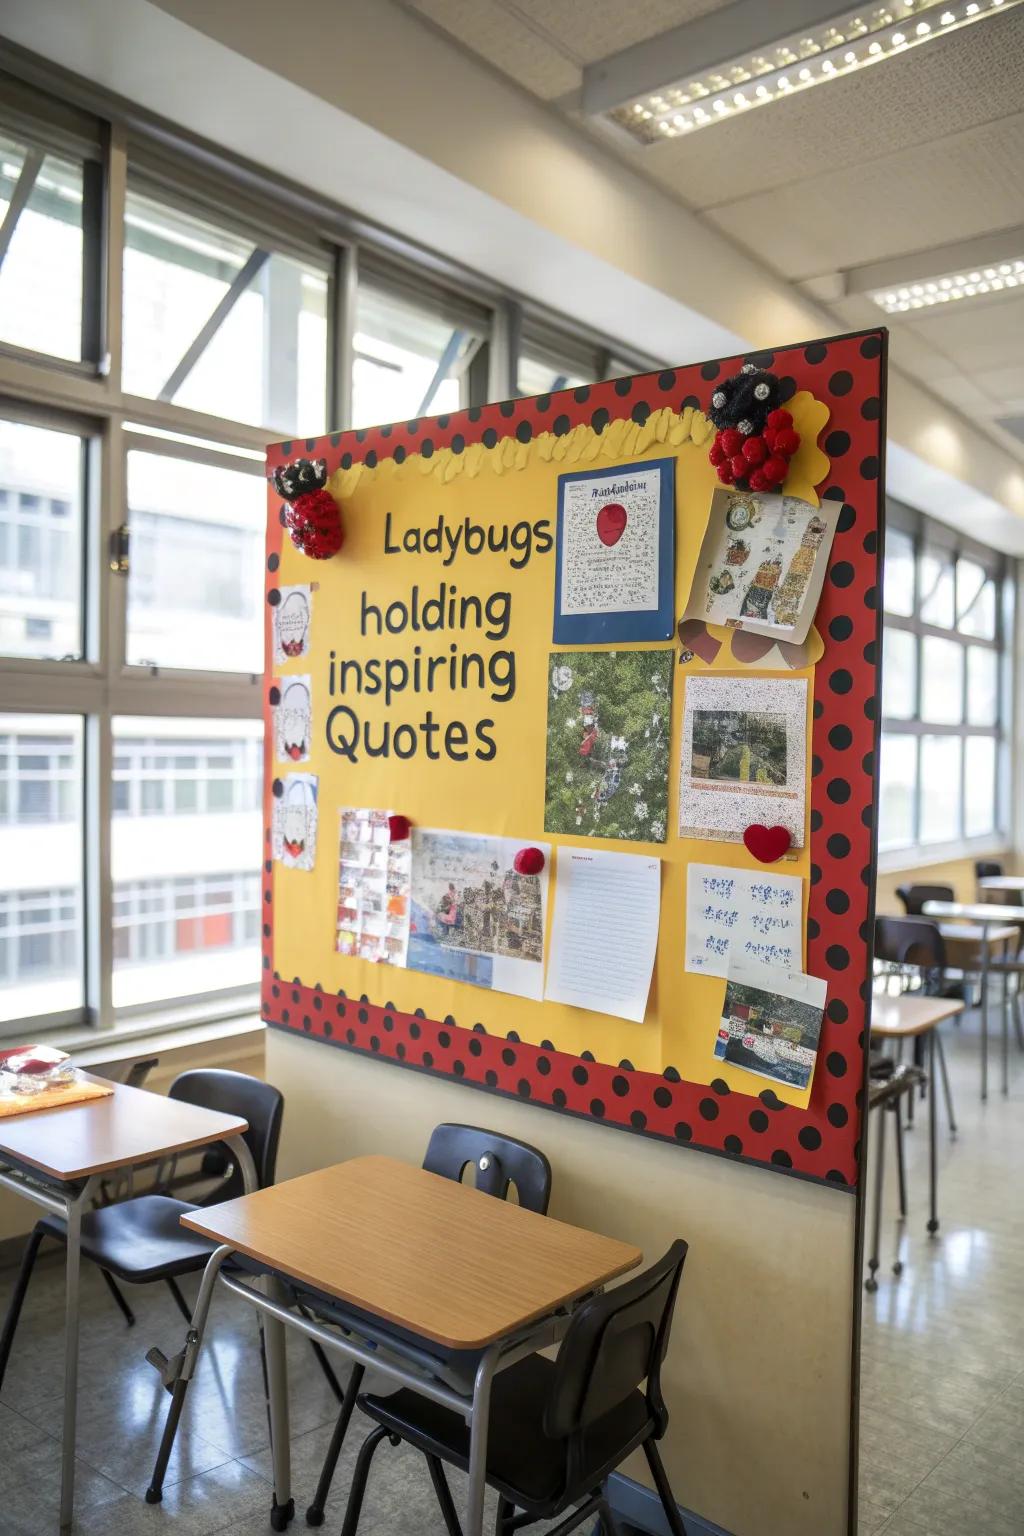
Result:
[[614, 572]]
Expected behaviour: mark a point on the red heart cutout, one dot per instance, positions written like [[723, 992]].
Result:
[[611, 523], [767, 844]]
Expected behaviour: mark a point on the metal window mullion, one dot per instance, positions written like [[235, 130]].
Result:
[[506, 328], [112, 318], [98, 914], [30, 168], [343, 296]]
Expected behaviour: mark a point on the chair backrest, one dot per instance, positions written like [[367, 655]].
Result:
[[987, 868], [914, 897], [616, 1341], [910, 941], [236, 1093], [499, 1162], [138, 1071]]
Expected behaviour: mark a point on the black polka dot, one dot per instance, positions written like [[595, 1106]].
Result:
[[524, 431], [620, 1086], [683, 1132], [733, 1144], [758, 1120], [815, 874], [543, 1065], [781, 1159], [835, 1177], [817, 821], [491, 1078], [623, 386], [837, 901], [816, 766], [871, 346], [444, 1039], [840, 383], [840, 737], [638, 1120], [841, 574], [871, 408], [490, 437], [662, 1097], [523, 1088], [671, 1075], [838, 845], [838, 1115], [835, 493], [371, 458], [837, 956], [274, 695], [399, 454], [689, 402], [760, 359], [835, 1061], [813, 928], [838, 791], [819, 709], [600, 419], [475, 1047], [597, 1108], [847, 518], [558, 1098], [277, 789], [508, 1057], [640, 412], [428, 1059], [580, 1075], [720, 1086], [770, 1097], [841, 627], [710, 370], [273, 561], [836, 444], [474, 413], [346, 461], [869, 467], [581, 393], [561, 426], [458, 1067], [415, 1031], [816, 352], [458, 443], [273, 597], [507, 407], [666, 380], [787, 388], [840, 681], [708, 1109]]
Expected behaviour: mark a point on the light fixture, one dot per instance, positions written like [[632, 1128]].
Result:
[[848, 41], [952, 286]]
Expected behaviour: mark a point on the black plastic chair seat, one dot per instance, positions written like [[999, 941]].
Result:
[[523, 1463], [455, 1367], [138, 1240]]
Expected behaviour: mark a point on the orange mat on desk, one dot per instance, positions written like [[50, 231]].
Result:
[[52, 1098]]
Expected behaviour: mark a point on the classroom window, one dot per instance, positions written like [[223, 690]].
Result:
[[946, 671], [549, 362], [411, 358], [42, 479]]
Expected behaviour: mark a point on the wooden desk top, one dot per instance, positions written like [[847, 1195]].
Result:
[[986, 912], [437, 1258], [128, 1126], [897, 1017]]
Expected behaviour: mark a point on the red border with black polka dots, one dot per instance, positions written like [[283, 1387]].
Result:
[[822, 1142]]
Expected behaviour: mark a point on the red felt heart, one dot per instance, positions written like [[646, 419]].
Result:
[[767, 844], [611, 523]]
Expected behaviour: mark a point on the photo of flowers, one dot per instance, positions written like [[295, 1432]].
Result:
[[608, 744]]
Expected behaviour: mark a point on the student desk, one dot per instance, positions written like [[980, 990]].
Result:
[[994, 886], [55, 1157], [437, 1259], [990, 924]]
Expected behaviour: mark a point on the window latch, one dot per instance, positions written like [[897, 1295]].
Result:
[[119, 550]]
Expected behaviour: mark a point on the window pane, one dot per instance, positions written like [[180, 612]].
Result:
[[41, 274], [541, 374], [936, 574], [899, 674], [940, 788], [897, 791], [899, 572], [980, 778], [41, 532], [41, 944], [942, 680], [975, 600], [195, 584], [186, 881], [216, 324], [982, 685], [409, 360]]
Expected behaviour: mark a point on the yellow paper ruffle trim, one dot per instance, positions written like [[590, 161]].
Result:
[[620, 440]]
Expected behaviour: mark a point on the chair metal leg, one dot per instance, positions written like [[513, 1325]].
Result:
[[947, 1094], [315, 1512], [1017, 1017], [359, 1478], [119, 1297], [871, 1284], [444, 1497], [328, 1370], [505, 1515], [595, 1505], [179, 1300], [901, 1170], [28, 1260], [661, 1482]]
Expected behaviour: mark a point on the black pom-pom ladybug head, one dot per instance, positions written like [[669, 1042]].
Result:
[[300, 477], [745, 400]]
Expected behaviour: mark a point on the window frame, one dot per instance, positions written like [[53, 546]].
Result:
[[928, 536]]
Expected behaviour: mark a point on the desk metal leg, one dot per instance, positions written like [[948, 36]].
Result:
[[1005, 1023], [933, 1223], [71, 1315], [283, 1507], [479, 1425], [984, 1011]]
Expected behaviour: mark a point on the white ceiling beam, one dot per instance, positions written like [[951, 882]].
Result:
[[982, 250], [696, 47]]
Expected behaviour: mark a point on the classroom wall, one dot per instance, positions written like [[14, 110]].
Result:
[[758, 1374]]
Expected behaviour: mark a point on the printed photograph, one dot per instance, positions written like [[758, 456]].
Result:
[[467, 896], [608, 744], [769, 1033], [739, 746]]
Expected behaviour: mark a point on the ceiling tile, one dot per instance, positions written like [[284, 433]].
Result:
[[593, 29], [975, 334], [507, 41]]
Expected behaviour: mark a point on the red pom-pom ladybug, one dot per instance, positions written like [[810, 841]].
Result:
[[528, 861], [398, 828], [757, 481], [716, 455], [754, 450], [786, 442], [775, 469], [739, 466], [779, 418], [731, 441], [312, 517], [725, 474]]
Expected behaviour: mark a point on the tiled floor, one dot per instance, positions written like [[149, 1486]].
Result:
[[943, 1383], [942, 1419]]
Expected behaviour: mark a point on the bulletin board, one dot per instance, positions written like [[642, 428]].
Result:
[[467, 506]]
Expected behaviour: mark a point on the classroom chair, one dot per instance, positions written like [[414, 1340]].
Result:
[[558, 1429], [499, 1162], [914, 897], [916, 943], [142, 1240], [987, 869]]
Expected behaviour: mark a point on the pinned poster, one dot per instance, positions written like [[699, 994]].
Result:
[[615, 555], [605, 931], [744, 756], [293, 719], [742, 914], [374, 888], [771, 1023], [292, 615], [293, 834], [762, 563], [473, 916]]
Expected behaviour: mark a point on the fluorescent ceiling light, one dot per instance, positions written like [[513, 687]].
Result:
[[998, 277], [827, 50]]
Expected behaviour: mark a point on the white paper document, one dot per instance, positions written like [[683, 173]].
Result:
[[605, 931], [742, 915]]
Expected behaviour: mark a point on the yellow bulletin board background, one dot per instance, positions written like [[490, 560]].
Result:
[[497, 468]]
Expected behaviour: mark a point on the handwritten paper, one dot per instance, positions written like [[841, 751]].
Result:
[[374, 888], [605, 931], [742, 914]]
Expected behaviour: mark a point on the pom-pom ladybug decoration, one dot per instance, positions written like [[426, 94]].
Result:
[[755, 439], [312, 517], [528, 861]]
